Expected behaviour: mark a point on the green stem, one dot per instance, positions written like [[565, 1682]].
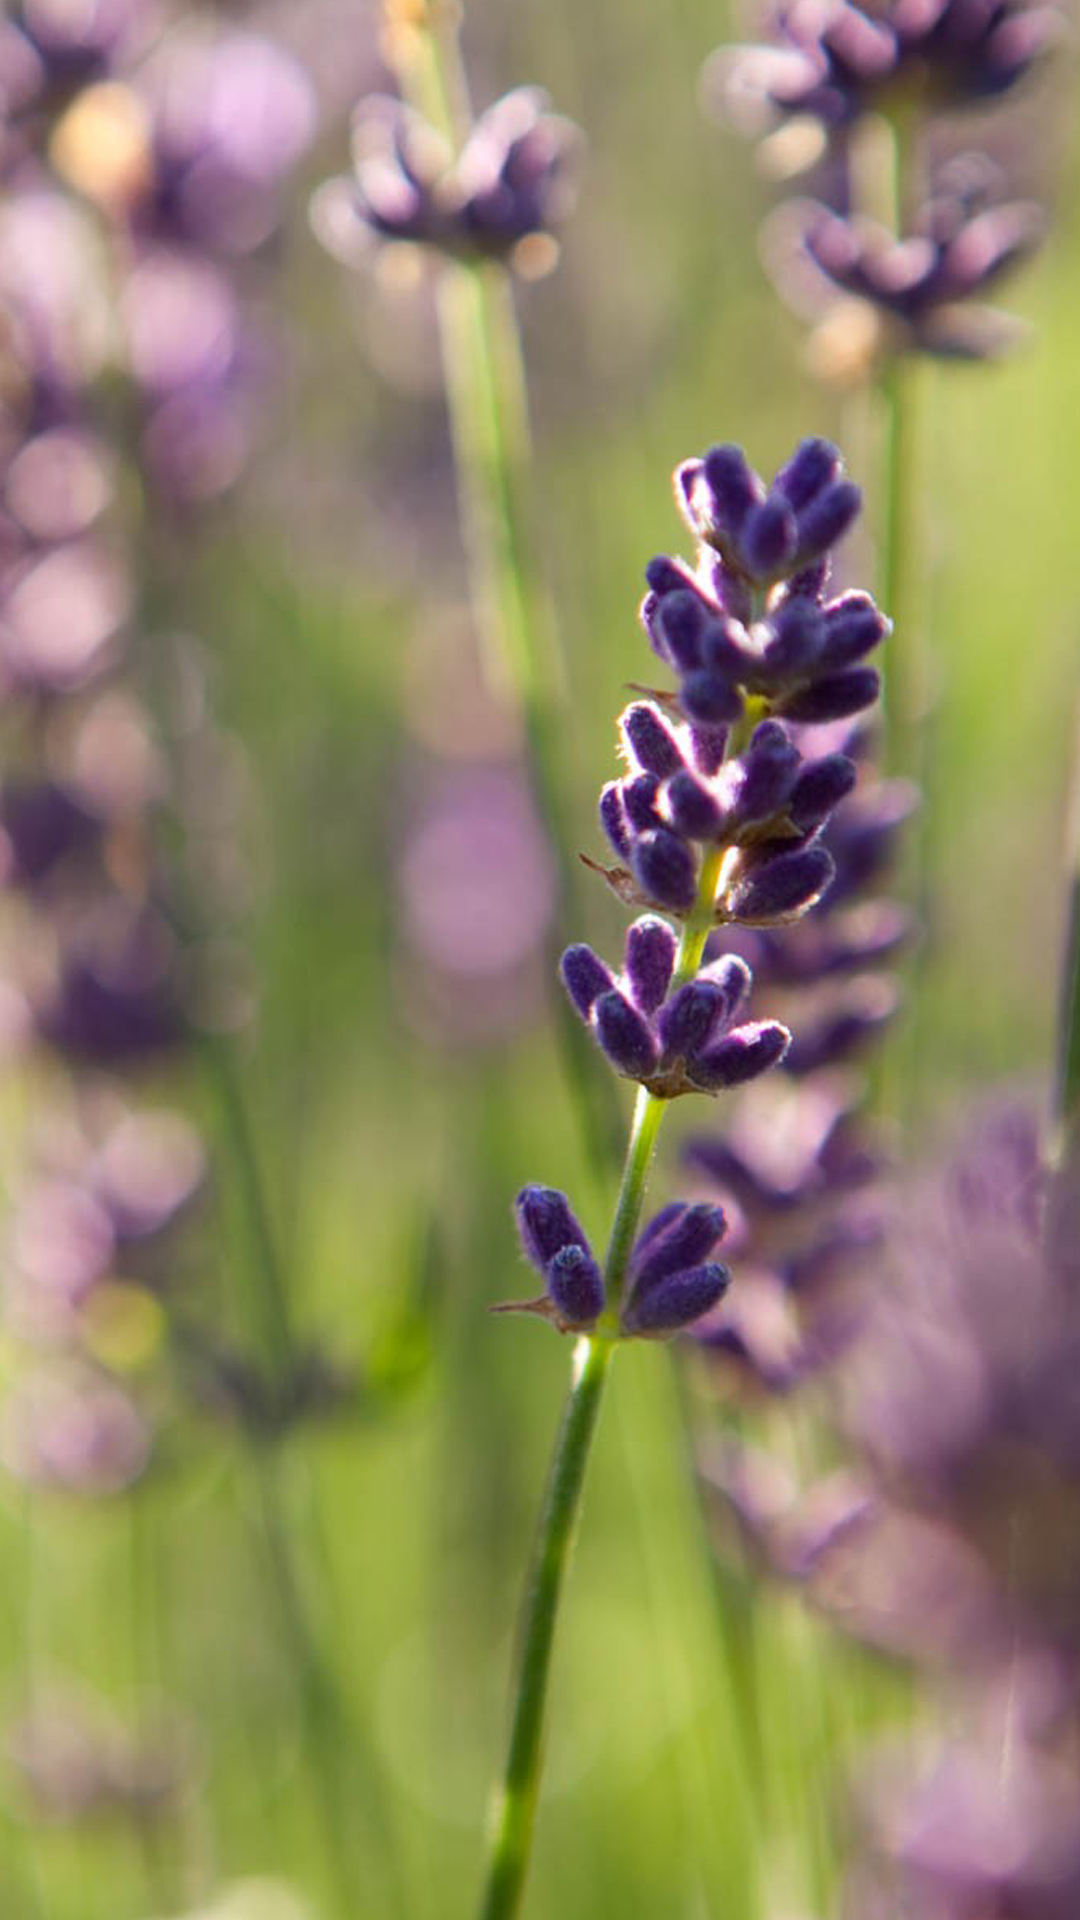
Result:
[[906, 696], [268, 1284], [487, 404], [1062, 1225], [1066, 1107], [516, 1810]]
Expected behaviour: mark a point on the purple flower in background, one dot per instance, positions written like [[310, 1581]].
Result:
[[230, 114], [74, 1760], [511, 183], [798, 1164], [833, 61], [75, 1430], [921, 285]]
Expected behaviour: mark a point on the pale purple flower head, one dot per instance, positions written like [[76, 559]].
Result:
[[512, 180]]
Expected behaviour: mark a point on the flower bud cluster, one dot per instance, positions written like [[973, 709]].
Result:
[[923, 287], [671, 1278], [830, 64], [690, 1040], [834, 61], [753, 620], [511, 182]]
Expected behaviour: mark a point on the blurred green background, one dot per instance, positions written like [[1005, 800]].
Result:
[[356, 1708]]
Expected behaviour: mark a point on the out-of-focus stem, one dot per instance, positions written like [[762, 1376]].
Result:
[[1064, 1142], [267, 1283], [487, 404], [906, 693]]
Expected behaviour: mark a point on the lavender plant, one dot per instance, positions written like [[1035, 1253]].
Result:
[[719, 820], [892, 258]]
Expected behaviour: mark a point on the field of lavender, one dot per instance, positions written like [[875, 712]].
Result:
[[347, 354]]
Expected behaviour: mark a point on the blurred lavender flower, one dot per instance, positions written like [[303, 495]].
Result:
[[799, 1166], [833, 61], [74, 1429], [921, 286], [477, 892], [511, 184], [75, 1760], [136, 163]]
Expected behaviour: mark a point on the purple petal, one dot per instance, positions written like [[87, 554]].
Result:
[[650, 959]]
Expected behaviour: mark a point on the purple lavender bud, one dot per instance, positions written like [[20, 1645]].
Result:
[[853, 626], [731, 975], [575, 1285], [812, 466], [742, 1055], [639, 797], [676, 1302], [725, 650], [827, 517], [677, 625], [768, 539], [795, 632], [39, 826], [585, 978], [760, 782], [779, 886], [681, 1236], [117, 997], [650, 740], [709, 745], [650, 961], [820, 787], [666, 576], [665, 869], [809, 583], [735, 489], [709, 700], [658, 1224], [625, 1036], [845, 1032], [546, 1225], [691, 808], [835, 697], [686, 1021], [613, 818]]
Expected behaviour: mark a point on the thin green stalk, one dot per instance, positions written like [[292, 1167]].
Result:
[[906, 694], [487, 404], [516, 1812], [324, 1729], [1065, 1112], [268, 1284], [516, 1808], [1062, 1149]]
